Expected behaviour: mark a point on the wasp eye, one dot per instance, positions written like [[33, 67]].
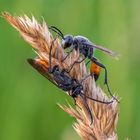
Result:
[[68, 41]]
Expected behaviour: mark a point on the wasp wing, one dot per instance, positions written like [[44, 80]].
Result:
[[42, 68], [107, 51]]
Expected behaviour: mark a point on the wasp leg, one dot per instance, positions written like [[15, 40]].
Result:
[[83, 79], [87, 62], [99, 101], [50, 53], [106, 81], [67, 55], [89, 54], [75, 63], [88, 109], [75, 102]]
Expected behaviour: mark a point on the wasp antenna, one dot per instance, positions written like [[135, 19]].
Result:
[[55, 29]]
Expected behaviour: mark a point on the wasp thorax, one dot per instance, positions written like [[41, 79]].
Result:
[[67, 41]]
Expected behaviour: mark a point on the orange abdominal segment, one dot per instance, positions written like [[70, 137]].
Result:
[[44, 65], [95, 70], [40, 65]]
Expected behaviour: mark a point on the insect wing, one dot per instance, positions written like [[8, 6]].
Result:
[[109, 52], [42, 67]]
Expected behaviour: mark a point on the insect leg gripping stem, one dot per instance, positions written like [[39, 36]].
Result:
[[87, 62], [76, 62], [106, 80], [67, 55], [88, 109], [50, 54]]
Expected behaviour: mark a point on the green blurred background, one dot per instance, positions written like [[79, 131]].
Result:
[[28, 109]]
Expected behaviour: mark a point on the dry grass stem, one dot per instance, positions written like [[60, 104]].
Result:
[[105, 117]]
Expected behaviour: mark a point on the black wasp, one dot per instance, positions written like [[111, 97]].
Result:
[[86, 49], [62, 79]]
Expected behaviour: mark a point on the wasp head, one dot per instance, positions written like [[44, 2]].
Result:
[[67, 41]]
